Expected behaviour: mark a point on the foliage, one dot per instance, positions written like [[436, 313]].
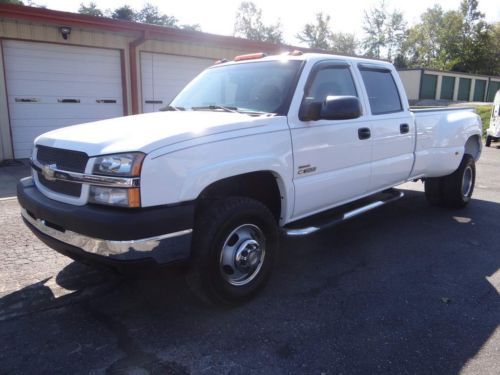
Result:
[[484, 111], [344, 43], [193, 27], [374, 27], [151, 14], [319, 35], [249, 25], [15, 2], [458, 40], [125, 13], [385, 33], [90, 10]]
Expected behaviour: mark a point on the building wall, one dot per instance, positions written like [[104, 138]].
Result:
[[419, 82], [33, 31], [411, 82]]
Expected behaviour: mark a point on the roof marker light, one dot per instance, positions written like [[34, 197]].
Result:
[[250, 56]]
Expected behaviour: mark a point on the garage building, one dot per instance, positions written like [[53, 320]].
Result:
[[421, 84], [59, 69]]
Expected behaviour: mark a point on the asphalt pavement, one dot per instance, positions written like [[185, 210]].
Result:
[[405, 289]]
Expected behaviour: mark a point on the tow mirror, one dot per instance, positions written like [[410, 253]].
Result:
[[333, 108]]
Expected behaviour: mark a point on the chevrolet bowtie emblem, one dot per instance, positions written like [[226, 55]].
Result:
[[48, 171]]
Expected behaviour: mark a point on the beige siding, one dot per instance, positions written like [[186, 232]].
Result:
[[5, 137], [49, 33], [26, 30], [411, 83]]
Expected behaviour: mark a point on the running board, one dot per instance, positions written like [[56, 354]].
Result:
[[339, 215]]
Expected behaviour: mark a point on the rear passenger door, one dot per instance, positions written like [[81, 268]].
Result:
[[392, 125]]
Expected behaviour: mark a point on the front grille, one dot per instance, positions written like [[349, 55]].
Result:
[[68, 160], [61, 187]]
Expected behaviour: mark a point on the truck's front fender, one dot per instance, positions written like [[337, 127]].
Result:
[[183, 174]]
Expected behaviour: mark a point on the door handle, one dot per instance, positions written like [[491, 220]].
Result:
[[404, 128], [364, 133]]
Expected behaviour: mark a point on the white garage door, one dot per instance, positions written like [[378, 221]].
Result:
[[51, 86], [163, 76]]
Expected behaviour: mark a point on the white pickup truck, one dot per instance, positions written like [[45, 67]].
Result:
[[250, 150]]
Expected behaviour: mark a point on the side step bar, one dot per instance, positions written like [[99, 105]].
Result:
[[393, 195]]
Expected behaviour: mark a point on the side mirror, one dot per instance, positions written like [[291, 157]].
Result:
[[333, 108], [340, 108]]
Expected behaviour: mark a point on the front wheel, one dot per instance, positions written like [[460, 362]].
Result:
[[234, 247]]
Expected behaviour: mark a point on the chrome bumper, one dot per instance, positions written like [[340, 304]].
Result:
[[164, 248]]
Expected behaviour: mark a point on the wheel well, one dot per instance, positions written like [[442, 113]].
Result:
[[473, 147], [261, 186]]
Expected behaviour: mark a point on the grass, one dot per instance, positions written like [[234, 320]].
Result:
[[484, 111]]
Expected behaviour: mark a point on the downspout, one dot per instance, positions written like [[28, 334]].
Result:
[[134, 86]]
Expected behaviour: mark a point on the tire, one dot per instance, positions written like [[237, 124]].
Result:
[[434, 191], [235, 243], [488, 141], [459, 186]]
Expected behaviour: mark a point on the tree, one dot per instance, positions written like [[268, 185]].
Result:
[[151, 14], [395, 34], [475, 39], [423, 43], [15, 2], [458, 40], [344, 43], [124, 12], [193, 27], [317, 35], [374, 25], [249, 25], [90, 10]]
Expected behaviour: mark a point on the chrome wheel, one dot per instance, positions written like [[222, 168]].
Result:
[[467, 182], [242, 254]]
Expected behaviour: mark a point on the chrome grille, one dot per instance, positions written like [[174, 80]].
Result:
[[74, 161], [69, 160]]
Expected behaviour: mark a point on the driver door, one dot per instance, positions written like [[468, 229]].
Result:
[[332, 158]]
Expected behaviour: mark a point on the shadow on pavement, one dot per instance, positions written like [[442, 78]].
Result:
[[404, 289], [11, 171]]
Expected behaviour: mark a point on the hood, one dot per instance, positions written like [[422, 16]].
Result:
[[145, 132]]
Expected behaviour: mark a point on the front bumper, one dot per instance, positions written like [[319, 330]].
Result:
[[89, 233]]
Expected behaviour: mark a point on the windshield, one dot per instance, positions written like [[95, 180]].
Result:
[[253, 88]]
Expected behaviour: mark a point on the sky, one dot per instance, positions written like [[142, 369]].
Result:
[[217, 16]]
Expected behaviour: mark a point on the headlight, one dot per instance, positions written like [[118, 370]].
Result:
[[122, 197], [119, 165]]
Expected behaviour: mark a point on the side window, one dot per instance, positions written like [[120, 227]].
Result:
[[382, 91], [331, 81]]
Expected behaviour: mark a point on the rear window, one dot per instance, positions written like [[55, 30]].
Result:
[[382, 91]]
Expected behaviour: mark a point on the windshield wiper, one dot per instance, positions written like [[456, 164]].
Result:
[[215, 107], [172, 108]]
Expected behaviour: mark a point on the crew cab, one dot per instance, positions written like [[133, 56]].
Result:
[[250, 150]]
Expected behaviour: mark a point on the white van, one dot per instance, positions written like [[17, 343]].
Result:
[[493, 132]]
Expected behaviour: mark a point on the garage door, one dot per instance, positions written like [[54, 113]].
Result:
[[50, 86], [163, 76]]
